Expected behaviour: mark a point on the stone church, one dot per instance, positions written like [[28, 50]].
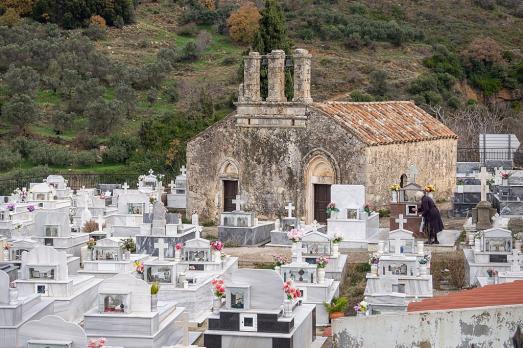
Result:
[[276, 151]]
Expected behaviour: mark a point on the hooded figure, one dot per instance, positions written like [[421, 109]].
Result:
[[431, 217]]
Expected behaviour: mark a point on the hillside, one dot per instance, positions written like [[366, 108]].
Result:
[[135, 94]]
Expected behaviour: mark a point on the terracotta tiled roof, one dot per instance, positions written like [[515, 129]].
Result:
[[380, 123], [490, 295]]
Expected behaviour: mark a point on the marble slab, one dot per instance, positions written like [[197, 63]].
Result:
[[243, 236]]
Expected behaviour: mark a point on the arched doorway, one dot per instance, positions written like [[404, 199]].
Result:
[[230, 184], [320, 174]]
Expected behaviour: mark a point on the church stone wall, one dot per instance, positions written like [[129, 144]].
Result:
[[271, 163], [435, 161]]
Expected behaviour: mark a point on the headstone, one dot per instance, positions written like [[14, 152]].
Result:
[[412, 173]]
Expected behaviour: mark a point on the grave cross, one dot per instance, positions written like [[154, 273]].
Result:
[[516, 259], [238, 201], [400, 221], [100, 223], [161, 248], [289, 209], [151, 172], [183, 171], [412, 173], [298, 253], [483, 176], [125, 186], [315, 226], [172, 185]]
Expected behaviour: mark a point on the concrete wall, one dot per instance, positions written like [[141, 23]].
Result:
[[483, 327], [435, 161], [271, 162]]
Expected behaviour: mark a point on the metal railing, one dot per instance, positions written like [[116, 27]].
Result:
[[474, 154]]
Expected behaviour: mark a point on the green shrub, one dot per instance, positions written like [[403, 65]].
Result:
[[54, 155], [359, 96], [9, 158], [384, 212], [85, 158], [489, 85]]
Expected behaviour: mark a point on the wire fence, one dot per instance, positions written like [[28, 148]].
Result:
[[466, 154]]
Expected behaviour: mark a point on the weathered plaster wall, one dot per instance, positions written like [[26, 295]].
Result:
[[271, 163], [435, 161], [482, 327]]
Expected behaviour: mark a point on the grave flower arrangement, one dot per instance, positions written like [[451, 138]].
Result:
[[337, 238], [11, 207], [129, 245], [296, 234], [322, 261], [374, 260], [8, 246], [492, 273], [152, 199], [218, 288], [429, 188], [279, 260], [517, 236], [291, 292], [91, 243], [179, 246], [361, 307], [331, 208], [424, 260], [395, 187], [505, 175], [96, 343], [30, 208], [367, 208], [138, 267], [217, 245]]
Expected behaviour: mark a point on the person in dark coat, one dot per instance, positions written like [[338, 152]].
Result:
[[431, 217]]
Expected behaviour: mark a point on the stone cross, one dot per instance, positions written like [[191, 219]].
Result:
[[199, 230], [412, 173], [195, 220], [298, 252], [483, 176], [289, 209], [161, 248], [125, 186], [315, 226], [151, 172], [400, 221], [100, 223], [238, 201], [172, 186], [516, 259], [183, 171]]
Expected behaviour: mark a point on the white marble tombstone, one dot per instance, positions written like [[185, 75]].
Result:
[[52, 331], [348, 197]]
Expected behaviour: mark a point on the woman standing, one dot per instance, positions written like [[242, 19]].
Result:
[[431, 217]]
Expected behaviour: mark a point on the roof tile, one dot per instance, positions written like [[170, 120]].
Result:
[[381, 123]]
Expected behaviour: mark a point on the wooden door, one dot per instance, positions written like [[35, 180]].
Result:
[[230, 190], [322, 197]]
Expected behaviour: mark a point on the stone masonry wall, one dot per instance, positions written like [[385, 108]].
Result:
[[271, 163], [435, 161]]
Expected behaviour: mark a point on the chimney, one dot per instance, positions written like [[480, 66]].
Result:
[[251, 78], [276, 76], [302, 76]]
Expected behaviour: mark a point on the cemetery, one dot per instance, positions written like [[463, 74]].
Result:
[[247, 249]]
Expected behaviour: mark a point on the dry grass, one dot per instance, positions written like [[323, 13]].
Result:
[[448, 269]]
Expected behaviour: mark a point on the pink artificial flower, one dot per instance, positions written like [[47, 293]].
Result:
[[179, 246]]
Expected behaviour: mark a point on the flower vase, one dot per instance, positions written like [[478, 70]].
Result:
[[335, 250], [177, 255], [287, 308], [422, 270], [430, 194], [394, 196], [216, 256], [6, 255], [127, 255], [321, 275], [13, 296], [517, 245], [277, 269], [460, 189], [216, 304], [374, 269], [154, 303], [504, 182], [470, 238]]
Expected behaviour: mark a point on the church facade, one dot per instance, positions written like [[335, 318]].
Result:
[[275, 151]]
